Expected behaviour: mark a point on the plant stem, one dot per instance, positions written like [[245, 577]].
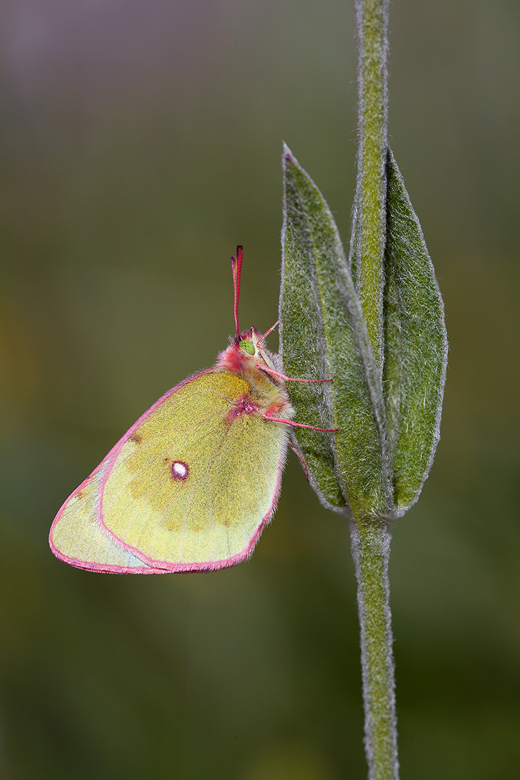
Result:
[[372, 24], [371, 550], [371, 536]]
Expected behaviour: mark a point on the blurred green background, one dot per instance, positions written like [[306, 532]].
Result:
[[140, 142]]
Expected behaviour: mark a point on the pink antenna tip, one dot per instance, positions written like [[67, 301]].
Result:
[[236, 266]]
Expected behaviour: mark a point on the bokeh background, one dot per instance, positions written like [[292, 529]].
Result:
[[140, 141]]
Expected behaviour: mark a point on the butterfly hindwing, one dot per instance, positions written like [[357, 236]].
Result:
[[77, 536], [191, 484]]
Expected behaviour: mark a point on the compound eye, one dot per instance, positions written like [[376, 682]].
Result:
[[248, 347]]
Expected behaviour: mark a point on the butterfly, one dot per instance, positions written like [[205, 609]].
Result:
[[192, 484]]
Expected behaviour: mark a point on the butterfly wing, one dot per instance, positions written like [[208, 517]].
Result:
[[192, 483], [78, 538]]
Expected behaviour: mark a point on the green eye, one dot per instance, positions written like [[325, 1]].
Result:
[[248, 347]]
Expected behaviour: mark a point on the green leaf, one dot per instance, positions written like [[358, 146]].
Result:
[[323, 335], [415, 345], [354, 258]]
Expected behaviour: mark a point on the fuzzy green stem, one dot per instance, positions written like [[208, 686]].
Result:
[[371, 549], [372, 23], [370, 537]]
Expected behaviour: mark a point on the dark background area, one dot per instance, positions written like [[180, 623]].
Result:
[[140, 141]]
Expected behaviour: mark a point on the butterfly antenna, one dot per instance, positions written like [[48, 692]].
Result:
[[262, 338], [236, 265]]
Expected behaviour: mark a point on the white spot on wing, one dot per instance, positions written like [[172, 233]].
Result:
[[180, 470]]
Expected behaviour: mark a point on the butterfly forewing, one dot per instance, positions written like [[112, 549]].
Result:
[[192, 484]]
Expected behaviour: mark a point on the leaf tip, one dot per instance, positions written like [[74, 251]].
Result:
[[287, 155]]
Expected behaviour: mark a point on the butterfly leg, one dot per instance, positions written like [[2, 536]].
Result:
[[301, 459], [298, 425], [268, 332], [272, 371]]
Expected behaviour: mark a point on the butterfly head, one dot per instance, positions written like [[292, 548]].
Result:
[[245, 352], [250, 342]]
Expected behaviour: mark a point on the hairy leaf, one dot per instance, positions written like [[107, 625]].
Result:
[[323, 335], [415, 345]]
